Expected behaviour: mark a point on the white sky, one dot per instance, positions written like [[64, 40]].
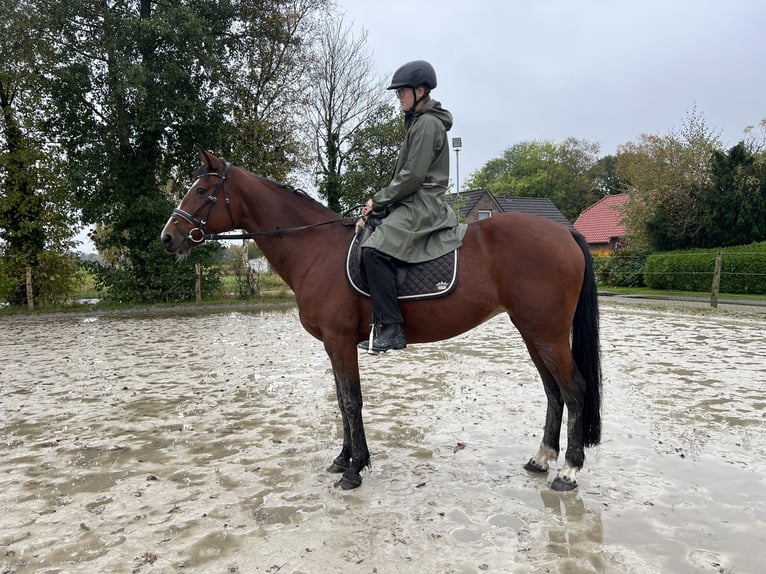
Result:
[[605, 71]]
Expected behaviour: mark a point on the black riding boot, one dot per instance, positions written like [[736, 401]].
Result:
[[390, 337], [381, 279]]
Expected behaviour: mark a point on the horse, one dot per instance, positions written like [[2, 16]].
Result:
[[536, 270]]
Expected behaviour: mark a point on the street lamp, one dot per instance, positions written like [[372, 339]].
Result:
[[457, 143]]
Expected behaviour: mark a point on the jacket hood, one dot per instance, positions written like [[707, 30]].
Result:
[[435, 108]]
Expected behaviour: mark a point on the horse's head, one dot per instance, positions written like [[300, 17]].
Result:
[[199, 213]]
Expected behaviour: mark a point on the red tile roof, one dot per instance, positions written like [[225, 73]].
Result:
[[602, 221]]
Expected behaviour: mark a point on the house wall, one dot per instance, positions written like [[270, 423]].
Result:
[[484, 204]]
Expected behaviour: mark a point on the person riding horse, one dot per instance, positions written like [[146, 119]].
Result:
[[416, 223]]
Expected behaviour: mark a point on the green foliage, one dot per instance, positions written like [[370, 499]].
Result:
[[35, 212], [564, 173], [155, 277], [371, 157], [265, 88], [621, 268], [726, 208], [145, 83], [671, 176], [55, 277], [736, 200], [743, 269], [604, 176]]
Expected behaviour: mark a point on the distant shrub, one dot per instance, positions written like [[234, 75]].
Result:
[[743, 269], [621, 268]]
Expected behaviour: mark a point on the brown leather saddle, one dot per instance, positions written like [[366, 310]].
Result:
[[426, 280]]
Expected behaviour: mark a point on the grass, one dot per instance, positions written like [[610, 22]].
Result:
[[646, 291]]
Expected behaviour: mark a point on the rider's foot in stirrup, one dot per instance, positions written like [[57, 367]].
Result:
[[390, 338]]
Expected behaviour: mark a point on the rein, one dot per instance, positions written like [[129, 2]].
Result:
[[348, 222], [199, 224]]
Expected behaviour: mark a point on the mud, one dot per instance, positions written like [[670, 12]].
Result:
[[198, 443]]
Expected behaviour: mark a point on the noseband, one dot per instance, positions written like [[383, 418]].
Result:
[[198, 225]]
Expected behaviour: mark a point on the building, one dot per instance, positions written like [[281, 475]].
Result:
[[602, 223], [480, 204]]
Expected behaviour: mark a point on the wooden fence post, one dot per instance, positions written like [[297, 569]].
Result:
[[198, 283], [716, 279], [30, 291]]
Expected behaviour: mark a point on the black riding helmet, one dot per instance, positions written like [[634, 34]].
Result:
[[413, 75]]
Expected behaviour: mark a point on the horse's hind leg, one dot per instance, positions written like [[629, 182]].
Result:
[[549, 446], [563, 386]]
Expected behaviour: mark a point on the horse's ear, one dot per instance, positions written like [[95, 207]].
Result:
[[204, 155], [207, 158]]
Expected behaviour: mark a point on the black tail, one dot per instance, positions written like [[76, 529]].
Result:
[[586, 348]]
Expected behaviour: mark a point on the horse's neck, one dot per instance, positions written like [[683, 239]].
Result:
[[268, 208]]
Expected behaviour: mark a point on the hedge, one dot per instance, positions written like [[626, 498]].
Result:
[[743, 269], [621, 268]]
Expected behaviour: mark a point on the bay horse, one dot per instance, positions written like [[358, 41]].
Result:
[[534, 269]]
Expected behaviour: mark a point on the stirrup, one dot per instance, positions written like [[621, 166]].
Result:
[[367, 345]]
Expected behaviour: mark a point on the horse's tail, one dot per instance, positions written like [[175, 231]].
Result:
[[586, 348]]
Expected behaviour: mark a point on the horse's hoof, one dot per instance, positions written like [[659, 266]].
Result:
[[350, 481], [563, 484], [534, 466], [337, 467]]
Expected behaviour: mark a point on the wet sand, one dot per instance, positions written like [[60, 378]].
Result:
[[168, 443]]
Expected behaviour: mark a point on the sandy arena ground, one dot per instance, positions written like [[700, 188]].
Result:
[[170, 442]]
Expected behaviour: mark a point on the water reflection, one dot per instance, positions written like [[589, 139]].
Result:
[[576, 534]]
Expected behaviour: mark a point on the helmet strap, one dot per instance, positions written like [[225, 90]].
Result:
[[416, 99], [410, 114]]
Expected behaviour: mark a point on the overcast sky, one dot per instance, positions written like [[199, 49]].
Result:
[[605, 71]]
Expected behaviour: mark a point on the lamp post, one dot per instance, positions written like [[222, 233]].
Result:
[[457, 143]]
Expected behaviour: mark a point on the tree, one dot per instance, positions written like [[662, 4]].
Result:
[[134, 89], [371, 156], [755, 139], [605, 178], [576, 184], [36, 219], [346, 97], [670, 174], [524, 169], [559, 172], [266, 85], [736, 199]]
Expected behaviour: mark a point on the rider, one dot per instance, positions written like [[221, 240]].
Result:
[[417, 224]]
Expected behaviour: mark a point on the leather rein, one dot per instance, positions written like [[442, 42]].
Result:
[[199, 224]]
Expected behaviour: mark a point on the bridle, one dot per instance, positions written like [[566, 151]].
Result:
[[198, 225]]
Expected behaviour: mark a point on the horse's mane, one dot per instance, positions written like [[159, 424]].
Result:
[[290, 189], [204, 169], [287, 187]]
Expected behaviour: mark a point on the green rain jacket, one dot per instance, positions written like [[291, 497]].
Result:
[[418, 224]]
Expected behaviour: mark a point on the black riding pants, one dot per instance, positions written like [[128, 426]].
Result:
[[381, 278]]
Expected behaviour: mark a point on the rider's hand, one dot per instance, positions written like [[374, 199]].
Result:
[[367, 209]]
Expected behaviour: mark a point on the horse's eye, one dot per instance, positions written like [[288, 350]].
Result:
[[201, 190]]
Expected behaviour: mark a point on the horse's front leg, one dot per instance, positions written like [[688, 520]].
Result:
[[342, 461], [355, 454]]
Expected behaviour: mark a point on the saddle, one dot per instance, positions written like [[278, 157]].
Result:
[[426, 280]]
